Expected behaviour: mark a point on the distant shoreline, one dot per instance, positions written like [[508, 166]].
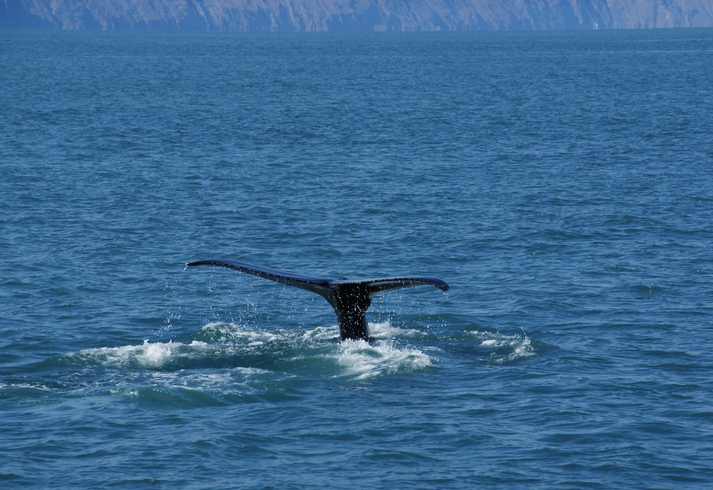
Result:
[[351, 15]]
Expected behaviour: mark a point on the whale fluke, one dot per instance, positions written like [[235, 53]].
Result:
[[350, 299]]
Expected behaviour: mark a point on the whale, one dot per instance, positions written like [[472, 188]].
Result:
[[349, 298]]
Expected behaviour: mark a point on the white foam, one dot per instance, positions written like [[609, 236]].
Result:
[[224, 381], [146, 355], [356, 357], [231, 341], [386, 330], [25, 386], [507, 348], [195, 380], [522, 349], [239, 333], [367, 360]]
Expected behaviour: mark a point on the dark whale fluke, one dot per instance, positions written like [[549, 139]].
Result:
[[350, 299]]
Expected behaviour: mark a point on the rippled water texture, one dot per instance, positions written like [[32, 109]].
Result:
[[561, 183]]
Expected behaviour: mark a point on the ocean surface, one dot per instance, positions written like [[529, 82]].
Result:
[[560, 182]]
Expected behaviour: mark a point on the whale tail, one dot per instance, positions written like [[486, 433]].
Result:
[[350, 299]]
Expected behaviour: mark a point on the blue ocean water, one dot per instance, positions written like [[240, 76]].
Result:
[[560, 182]]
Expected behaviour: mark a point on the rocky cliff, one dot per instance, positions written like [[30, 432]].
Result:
[[354, 15]]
